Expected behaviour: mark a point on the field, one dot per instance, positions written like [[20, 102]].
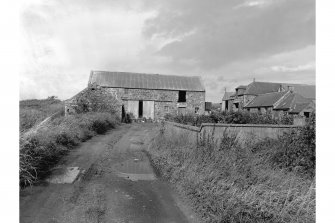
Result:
[[271, 181], [34, 111]]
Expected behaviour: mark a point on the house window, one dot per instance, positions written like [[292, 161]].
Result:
[[306, 114], [126, 91], [166, 108], [182, 96], [196, 110]]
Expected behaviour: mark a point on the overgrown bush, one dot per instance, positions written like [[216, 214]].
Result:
[[226, 182], [95, 100], [296, 150], [128, 118], [40, 151]]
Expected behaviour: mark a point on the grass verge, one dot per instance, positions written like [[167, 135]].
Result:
[[230, 183], [41, 150]]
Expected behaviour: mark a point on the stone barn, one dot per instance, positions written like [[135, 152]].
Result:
[[151, 96]]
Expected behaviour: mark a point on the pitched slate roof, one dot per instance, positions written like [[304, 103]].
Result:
[[299, 107], [146, 81], [256, 88], [265, 100], [227, 95], [291, 100], [307, 91]]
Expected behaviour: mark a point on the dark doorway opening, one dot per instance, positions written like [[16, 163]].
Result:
[[123, 114], [182, 96], [226, 107], [140, 109]]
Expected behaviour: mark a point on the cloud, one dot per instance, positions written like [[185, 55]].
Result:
[[227, 43], [224, 35], [309, 66], [62, 44], [255, 3]]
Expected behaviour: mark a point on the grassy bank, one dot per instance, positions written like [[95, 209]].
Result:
[[34, 111], [41, 150], [271, 181]]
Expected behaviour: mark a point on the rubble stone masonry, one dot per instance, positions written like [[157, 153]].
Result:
[[165, 101]]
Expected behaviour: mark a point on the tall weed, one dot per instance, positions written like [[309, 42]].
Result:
[[226, 182]]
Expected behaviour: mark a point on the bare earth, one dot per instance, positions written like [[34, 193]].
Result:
[[115, 184]]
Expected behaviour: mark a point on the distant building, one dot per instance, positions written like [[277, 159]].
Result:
[[227, 101], [152, 95], [277, 98]]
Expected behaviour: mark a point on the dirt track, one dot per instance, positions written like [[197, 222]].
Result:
[[116, 185]]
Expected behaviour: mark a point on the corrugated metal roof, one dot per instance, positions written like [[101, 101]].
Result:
[[265, 100], [146, 81]]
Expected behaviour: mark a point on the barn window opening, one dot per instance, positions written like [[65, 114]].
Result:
[[166, 108], [196, 110], [182, 96]]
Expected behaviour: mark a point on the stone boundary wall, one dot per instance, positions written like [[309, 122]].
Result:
[[244, 132]]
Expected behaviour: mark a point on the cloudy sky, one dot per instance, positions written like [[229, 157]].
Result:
[[226, 42]]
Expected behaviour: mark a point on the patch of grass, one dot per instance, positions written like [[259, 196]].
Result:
[[41, 150], [230, 183]]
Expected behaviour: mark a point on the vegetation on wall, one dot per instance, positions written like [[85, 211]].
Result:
[[241, 117], [270, 181], [95, 100]]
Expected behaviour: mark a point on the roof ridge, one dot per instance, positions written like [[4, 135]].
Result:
[[174, 75], [272, 92]]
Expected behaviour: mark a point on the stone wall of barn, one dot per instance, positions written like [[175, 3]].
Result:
[[166, 101], [112, 99]]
